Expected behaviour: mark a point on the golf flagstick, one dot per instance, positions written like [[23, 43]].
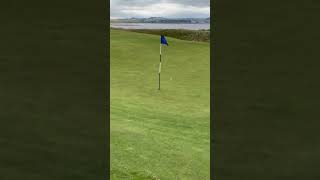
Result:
[[159, 67], [162, 41]]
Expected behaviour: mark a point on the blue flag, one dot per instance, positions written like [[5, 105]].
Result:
[[163, 40]]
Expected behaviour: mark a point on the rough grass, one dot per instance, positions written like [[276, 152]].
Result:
[[159, 134], [183, 34]]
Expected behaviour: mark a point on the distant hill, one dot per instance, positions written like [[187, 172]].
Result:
[[163, 20]]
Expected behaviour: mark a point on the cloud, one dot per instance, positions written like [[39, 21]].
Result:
[[163, 8]]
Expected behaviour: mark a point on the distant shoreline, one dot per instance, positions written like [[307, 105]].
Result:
[[187, 26], [163, 20], [116, 22]]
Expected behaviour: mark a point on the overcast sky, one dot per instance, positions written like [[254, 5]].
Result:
[[159, 8]]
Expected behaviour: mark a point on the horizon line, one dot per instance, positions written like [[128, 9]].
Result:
[[159, 17]]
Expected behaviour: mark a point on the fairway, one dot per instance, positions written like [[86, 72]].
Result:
[[159, 134]]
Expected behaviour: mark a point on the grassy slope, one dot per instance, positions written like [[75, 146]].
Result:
[[161, 134]]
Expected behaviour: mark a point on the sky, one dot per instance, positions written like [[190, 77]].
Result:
[[159, 8]]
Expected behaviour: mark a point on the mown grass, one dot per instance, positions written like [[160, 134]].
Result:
[[159, 134]]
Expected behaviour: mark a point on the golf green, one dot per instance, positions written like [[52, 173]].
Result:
[[159, 134]]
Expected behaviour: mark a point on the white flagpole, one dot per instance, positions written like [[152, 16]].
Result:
[[159, 67]]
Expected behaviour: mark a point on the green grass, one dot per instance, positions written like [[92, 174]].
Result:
[[159, 134]]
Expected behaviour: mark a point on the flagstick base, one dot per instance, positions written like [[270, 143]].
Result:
[[159, 82]]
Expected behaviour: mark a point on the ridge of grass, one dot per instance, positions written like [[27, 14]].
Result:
[[183, 34]]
